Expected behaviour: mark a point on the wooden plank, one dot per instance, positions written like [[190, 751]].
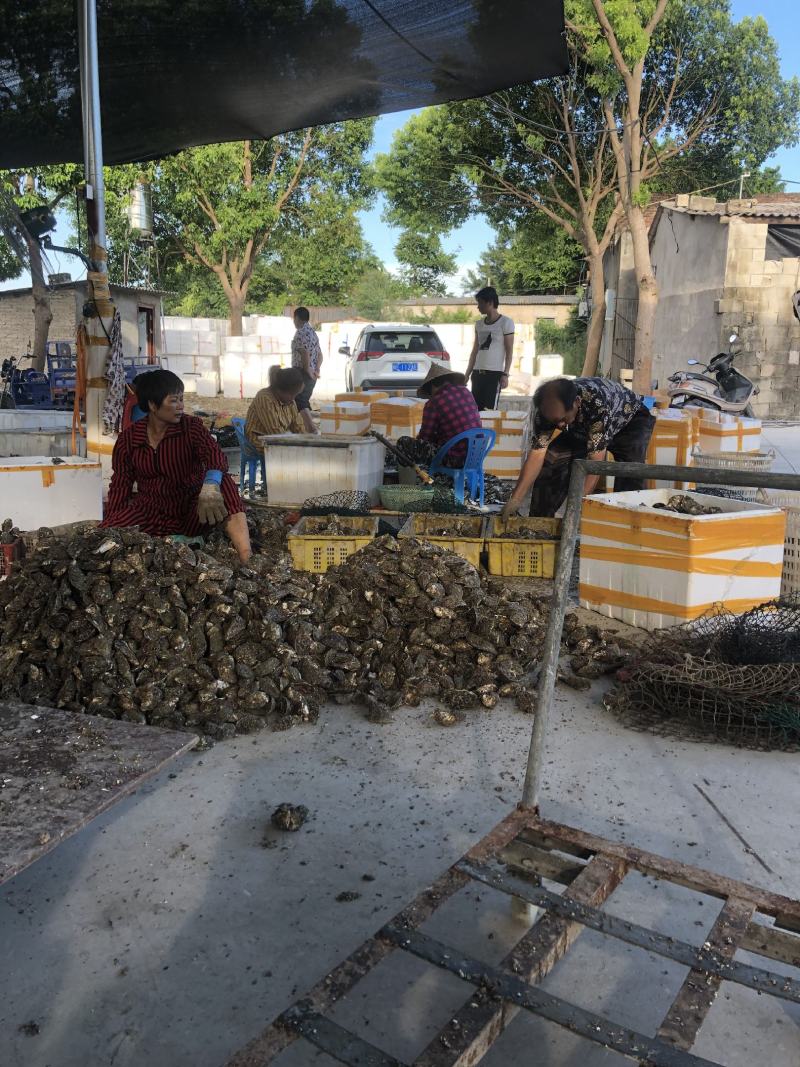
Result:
[[59, 770], [282, 1031], [699, 990], [775, 944], [482, 1018], [696, 878]]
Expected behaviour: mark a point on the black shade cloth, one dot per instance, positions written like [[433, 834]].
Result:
[[783, 242], [176, 73]]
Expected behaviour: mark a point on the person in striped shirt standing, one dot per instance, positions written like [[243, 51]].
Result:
[[179, 471]]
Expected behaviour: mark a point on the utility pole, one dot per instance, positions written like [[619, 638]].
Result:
[[98, 323]]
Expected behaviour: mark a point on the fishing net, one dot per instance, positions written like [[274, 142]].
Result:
[[724, 677]]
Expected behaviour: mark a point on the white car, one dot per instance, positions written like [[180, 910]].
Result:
[[393, 355]]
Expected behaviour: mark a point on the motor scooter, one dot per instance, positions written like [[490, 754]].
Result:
[[728, 390]]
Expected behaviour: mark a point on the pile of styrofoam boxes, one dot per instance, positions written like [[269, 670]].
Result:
[[246, 360], [655, 568], [512, 441], [345, 417], [191, 349], [720, 432], [397, 416]]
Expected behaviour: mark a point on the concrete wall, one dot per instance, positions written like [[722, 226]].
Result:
[[16, 320], [520, 313], [756, 304], [689, 257]]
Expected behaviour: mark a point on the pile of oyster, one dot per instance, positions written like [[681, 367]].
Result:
[[404, 619], [118, 623]]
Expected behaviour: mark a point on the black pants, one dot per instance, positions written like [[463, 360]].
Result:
[[629, 446], [303, 398], [486, 388]]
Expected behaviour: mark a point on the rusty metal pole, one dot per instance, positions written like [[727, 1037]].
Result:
[[98, 325], [552, 641]]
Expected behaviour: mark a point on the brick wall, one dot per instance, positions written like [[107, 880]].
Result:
[[16, 320], [756, 304]]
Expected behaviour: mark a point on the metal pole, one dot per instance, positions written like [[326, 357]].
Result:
[[552, 641], [569, 537], [92, 128]]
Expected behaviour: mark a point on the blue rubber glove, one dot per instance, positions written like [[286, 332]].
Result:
[[214, 477]]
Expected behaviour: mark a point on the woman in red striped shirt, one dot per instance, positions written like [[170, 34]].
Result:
[[179, 470]]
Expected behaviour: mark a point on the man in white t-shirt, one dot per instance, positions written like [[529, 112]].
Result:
[[490, 359]]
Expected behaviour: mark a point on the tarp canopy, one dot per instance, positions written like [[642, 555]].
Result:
[[783, 241], [176, 73]]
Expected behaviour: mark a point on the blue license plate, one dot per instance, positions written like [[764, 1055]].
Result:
[[404, 368]]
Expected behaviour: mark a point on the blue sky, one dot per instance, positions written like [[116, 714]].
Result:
[[470, 240]]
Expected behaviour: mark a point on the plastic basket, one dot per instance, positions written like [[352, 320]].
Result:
[[405, 497], [319, 552], [757, 462], [789, 501], [469, 545], [522, 557]]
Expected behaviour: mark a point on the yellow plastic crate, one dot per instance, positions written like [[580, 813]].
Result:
[[468, 544], [319, 552], [522, 558]]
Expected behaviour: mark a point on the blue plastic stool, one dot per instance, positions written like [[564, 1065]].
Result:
[[480, 443], [248, 459]]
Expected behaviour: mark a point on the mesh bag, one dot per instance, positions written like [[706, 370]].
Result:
[[732, 678], [345, 502]]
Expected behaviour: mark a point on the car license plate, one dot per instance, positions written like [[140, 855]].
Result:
[[404, 368]]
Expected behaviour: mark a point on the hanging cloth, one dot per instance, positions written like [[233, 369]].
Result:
[[115, 374]]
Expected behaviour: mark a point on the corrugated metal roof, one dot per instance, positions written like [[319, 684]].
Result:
[[770, 205]]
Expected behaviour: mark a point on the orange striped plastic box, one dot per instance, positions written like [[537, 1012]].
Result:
[[655, 568]]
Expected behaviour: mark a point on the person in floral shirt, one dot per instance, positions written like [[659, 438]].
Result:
[[593, 416], [307, 357]]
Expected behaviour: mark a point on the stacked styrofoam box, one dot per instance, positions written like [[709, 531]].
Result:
[[512, 434], [397, 416], [749, 435], [720, 434], [345, 417], [40, 492], [655, 568], [366, 396], [301, 466], [671, 444]]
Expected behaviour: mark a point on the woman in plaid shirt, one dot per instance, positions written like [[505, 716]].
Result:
[[450, 409]]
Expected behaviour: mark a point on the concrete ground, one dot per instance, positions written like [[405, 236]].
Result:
[[167, 934], [784, 438]]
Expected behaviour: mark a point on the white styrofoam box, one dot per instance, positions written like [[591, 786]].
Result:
[[171, 340], [45, 419], [397, 416], [750, 435], [549, 366], [300, 466], [179, 364], [37, 492], [724, 436], [654, 568], [345, 417], [670, 445], [247, 343], [207, 386], [39, 442], [189, 382], [208, 348]]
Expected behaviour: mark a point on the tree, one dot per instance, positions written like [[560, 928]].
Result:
[[425, 263], [535, 257], [536, 148], [375, 293], [704, 90], [675, 79], [220, 209], [41, 187]]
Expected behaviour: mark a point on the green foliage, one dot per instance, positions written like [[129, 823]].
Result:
[[425, 263], [537, 256], [568, 341], [447, 314], [37, 187], [279, 215], [375, 293]]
